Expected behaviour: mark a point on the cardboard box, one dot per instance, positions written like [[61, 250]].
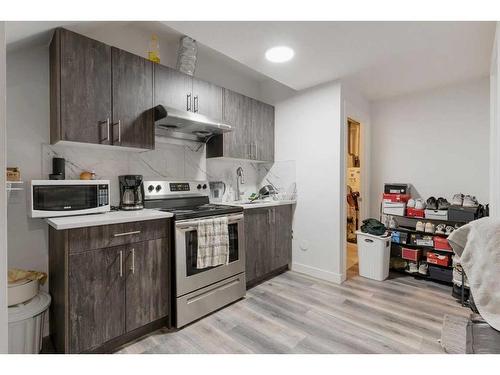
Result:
[[439, 259]]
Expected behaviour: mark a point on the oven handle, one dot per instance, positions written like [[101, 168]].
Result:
[[193, 224]]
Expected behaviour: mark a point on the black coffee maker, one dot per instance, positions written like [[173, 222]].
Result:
[[131, 192]]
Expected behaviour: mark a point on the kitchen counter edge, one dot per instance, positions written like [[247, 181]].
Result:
[[112, 217]]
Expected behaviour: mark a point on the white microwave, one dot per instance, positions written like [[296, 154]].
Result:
[[52, 198]]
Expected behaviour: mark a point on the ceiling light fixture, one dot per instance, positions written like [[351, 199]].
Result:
[[279, 54]]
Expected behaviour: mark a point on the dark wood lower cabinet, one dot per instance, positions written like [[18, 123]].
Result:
[[105, 296], [146, 291], [268, 242], [96, 298]]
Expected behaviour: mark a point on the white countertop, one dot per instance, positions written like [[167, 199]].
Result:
[[248, 206], [112, 217]]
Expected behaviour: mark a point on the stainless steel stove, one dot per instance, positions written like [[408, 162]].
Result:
[[198, 292]]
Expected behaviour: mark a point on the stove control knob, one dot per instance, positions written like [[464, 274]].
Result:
[[158, 187], [204, 186], [150, 188], [198, 187]]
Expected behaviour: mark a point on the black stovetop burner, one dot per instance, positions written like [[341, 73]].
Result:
[[203, 210]]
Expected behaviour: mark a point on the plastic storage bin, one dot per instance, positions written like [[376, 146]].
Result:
[[374, 253], [26, 322]]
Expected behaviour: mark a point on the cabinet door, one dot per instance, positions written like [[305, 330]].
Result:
[[96, 298], [147, 289], [261, 131], [207, 99], [172, 88], [85, 88], [257, 243], [237, 113], [282, 233], [132, 100]]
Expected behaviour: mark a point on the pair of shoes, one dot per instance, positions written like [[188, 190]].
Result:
[[419, 204], [427, 227], [465, 201], [449, 229], [393, 223], [412, 267], [441, 229], [437, 204], [422, 269]]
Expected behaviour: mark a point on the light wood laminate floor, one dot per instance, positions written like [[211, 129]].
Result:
[[293, 313]]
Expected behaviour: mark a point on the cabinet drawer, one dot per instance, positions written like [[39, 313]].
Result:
[[89, 238]]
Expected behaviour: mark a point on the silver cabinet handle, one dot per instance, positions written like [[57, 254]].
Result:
[[121, 263], [126, 233], [119, 123], [255, 151], [269, 216], [132, 268], [188, 102], [107, 129], [195, 104]]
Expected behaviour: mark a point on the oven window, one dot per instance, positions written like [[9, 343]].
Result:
[[64, 198], [192, 249]]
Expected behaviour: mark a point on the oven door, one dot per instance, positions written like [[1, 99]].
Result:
[[188, 277]]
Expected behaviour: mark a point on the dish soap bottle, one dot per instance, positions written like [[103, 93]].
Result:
[[154, 49]]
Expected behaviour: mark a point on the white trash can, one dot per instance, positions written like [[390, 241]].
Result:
[[374, 253], [26, 322]]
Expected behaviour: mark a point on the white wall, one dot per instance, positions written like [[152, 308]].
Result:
[[308, 130], [436, 140], [3, 200], [494, 127]]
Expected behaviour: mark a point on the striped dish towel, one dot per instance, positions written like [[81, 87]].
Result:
[[213, 243]]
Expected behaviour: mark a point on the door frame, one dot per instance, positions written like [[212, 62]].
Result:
[[3, 197]]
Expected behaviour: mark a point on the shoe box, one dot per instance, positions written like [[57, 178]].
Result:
[[394, 208], [399, 237], [441, 243], [436, 214], [413, 212], [463, 214], [440, 273], [438, 259], [421, 240], [396, 197], [391, 188], [411, 254]]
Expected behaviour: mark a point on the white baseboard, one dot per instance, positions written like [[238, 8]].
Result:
[[318, 273]]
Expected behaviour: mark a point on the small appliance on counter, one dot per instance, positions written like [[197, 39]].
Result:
[[53, 198], [58, 169], [131, 192]]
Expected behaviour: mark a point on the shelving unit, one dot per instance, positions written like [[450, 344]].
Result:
[[14, 186]]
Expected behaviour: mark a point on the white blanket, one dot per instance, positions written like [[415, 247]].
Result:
[[478, 245], [213, 243]]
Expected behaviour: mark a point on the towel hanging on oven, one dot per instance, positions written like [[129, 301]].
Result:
[[213, 243]]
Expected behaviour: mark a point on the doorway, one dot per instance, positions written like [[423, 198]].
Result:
[[353, 190]]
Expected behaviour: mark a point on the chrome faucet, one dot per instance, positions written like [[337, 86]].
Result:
[[239, 180]]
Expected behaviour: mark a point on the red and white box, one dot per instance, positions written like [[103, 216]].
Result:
[[441, 243], [394, 208], [413, 212], [439, 259], [396, 197], [411, 254]]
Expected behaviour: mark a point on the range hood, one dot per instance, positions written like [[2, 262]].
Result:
[[174, 123]]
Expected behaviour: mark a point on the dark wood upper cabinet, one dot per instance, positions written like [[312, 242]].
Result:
[[172, 88], [147, 280], [80, 78], [252, 137], [207, 99], [132, 120], [99, 94], [97, 298]]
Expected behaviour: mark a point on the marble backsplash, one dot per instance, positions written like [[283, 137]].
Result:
[[172, 159]]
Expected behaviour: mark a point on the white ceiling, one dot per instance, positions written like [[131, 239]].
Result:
[[381, 59]]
